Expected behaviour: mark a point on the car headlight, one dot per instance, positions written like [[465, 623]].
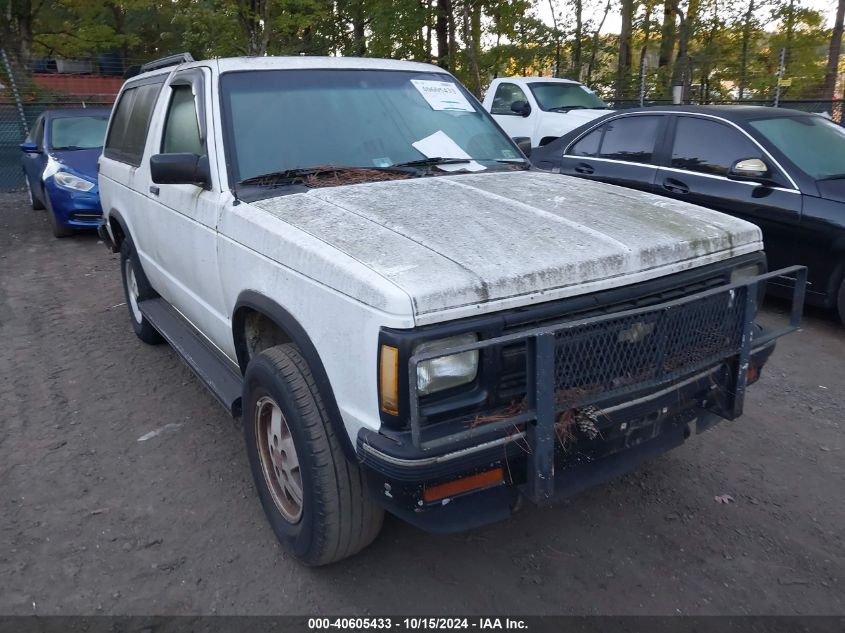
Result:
[[74, 183], [443, 372], [738, 275]]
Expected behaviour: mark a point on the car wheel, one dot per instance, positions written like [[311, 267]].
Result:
[[315, 499], [59, 230], [34, 202], [136, 288], [840, 302]]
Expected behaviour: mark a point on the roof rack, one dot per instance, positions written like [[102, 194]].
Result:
[[164, 62], [170, 60]]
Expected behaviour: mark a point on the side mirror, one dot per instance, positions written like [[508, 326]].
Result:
[[749, 169], [180, 169], [30, 148], [521, 107]]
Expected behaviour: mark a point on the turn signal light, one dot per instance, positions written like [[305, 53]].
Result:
[[487, 479], [389, 379]]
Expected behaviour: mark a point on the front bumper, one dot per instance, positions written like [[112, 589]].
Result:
[[76, 209], [544, 461]]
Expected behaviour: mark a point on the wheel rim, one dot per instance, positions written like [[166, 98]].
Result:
[[279, 461], [132, 291]]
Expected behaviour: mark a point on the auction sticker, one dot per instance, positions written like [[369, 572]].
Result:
[[442, 95]]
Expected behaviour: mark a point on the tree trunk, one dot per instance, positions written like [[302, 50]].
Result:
[[255, 19], [471, 20], [623, 68], [441, 27], [832, 72], [595, 46], [682, 73], [668, 33], [579, 33], [428, 31], [643, 52], [453, 42], [746, 37], [557, 38], [21, 27]]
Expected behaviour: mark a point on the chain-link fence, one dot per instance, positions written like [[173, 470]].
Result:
[[27, 90]]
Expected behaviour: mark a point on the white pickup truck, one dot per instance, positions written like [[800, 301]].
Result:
[[541, 108], [405, 315]]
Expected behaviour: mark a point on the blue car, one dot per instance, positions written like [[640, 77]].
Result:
[[60, 163]]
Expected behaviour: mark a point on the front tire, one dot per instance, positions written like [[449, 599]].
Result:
[[59, 230], [36, 204], [316, 500], [136, 288]]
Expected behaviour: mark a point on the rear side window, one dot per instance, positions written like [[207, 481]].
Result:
[[181, 128], [709, 147], [630, 139], [127, 134]]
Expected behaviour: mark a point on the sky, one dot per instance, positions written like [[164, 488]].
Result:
[[614, 19]]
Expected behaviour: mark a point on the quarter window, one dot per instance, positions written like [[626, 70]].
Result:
[[709, 147], [127, 133], [505, 95], [588, 145], [181, 128]]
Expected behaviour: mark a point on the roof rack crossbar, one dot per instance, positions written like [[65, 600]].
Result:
[[164, 62]]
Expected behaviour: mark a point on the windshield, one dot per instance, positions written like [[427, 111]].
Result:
[[82, 132], [553, 95], [815, 144], [281, 120]]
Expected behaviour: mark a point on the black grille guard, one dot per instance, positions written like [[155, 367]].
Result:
[[574, 364]]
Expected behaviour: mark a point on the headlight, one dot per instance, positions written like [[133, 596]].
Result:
[[74, 183], [444, 372], [742, 273]]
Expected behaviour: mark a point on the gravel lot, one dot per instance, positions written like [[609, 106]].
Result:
[[96, 519]]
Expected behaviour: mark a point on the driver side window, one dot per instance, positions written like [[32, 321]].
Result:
[[505, 95], [181, 127]]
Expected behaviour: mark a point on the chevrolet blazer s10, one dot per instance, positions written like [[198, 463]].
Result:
[[356, 261]]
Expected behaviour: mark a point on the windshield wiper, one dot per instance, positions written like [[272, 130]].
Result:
[[296, 175], [833, 177], [435, 160], [70, 148]]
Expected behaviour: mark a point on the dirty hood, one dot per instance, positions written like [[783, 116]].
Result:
[[467, 244]]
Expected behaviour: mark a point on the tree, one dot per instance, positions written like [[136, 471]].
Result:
[[832, 71], [623, 68]]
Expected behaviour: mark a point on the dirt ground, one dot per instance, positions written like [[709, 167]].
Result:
[[94, 518]]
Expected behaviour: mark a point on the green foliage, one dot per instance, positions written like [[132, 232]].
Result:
[[727, 46]]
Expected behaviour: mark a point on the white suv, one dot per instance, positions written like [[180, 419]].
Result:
[[541, 108], [355, 260]]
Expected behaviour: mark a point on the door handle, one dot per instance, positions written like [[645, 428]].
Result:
[[584, 168], [154, 190], [675, 186]]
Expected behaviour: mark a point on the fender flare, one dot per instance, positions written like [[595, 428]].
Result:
[[123, 226], [286, 322]]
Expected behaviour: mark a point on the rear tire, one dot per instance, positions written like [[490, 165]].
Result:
[[136, 288], [316, 501]]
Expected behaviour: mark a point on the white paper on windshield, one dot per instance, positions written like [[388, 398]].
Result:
[[440, 145], [442, 95], [585, 89]]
